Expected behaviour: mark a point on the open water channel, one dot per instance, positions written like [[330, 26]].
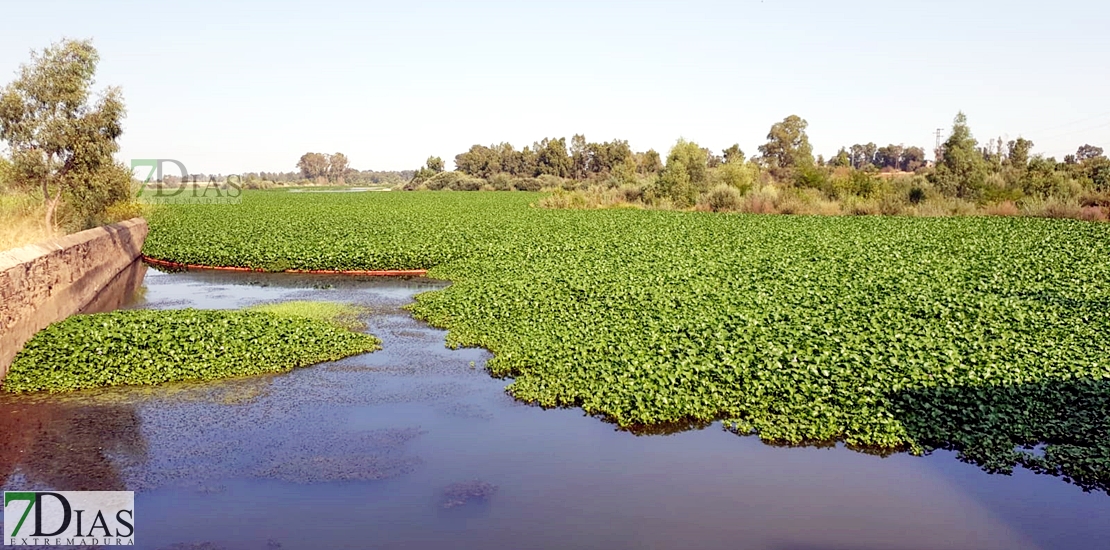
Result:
[[417, 447]]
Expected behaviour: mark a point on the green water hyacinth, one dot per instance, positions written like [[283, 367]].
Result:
[[146, 347], [867, 330]]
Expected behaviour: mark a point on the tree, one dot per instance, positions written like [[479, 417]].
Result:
[[313, 165], [962, 170], [889, 156], [480, 161], [649, 162], [864, 155], [552, 158], [1086, 152], [1098, 171], [685, 174], [435, 164], [607, 156], [338, 164], [842, 159], [733, 154], [912, 159], [5, 172], [580, 156], [1017, 152], [787, 146], [61, 143]]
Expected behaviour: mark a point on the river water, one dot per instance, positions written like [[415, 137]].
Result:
[[416, 447]]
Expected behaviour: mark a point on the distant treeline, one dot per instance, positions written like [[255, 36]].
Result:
[[861, 178], [312, 168]]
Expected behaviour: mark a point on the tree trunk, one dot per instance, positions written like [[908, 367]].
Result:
[[51, 208]]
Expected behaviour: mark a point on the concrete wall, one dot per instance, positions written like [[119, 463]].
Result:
[[47, 282]]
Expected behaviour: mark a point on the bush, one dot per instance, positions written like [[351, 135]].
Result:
[[548, 181], [125, 210], [812, 177], [454, 181], [632, 193], [723, 198], [742, 176], [917, 195], [501, 182], [527, 184]]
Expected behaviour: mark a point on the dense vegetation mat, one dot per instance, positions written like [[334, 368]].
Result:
[[155, 346], [877, 331]]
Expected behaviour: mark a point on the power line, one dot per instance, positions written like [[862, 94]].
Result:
[[1066, 124], [1073, 132]]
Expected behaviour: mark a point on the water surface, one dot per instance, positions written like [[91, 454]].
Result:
[[375, 450]]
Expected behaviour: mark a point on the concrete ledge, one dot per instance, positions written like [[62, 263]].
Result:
[[47, 282]]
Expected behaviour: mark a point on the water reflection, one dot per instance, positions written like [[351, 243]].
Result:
[[79, 447], [1058, 427]]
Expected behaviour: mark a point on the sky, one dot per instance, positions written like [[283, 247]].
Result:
[[239, 86]]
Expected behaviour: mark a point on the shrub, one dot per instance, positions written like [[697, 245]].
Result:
[[455, 181], [917, 195], [723, 198], [742, 176], [1093, 214], [548, 181], [500, 182], [527, 184], [1005, 208]]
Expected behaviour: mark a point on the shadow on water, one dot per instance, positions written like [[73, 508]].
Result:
[[1058, 427], [94, 438], [76, 446]]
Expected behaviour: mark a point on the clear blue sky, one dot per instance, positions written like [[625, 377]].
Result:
[[235, 86]]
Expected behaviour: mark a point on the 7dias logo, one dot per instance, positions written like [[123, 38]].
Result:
[[69, 518], [155, 188]]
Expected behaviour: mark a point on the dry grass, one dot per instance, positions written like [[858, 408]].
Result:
[[21, 221], [772, 199]]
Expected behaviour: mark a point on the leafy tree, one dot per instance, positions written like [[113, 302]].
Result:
[[607, 156], [889, 156], [961, 171], [1098, 171], [433, 166], [863, 155], [5, 172], [787, 146], [842, 159], [1088, 151], [1017, 152], [1041, 178], [685, 175], [733, 154], [552, 158], [313, 165], [60, 142], [994, 154], [912, 159], [734, 171], [480, 161], [338, 164], [649, 162], [580, 156]]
